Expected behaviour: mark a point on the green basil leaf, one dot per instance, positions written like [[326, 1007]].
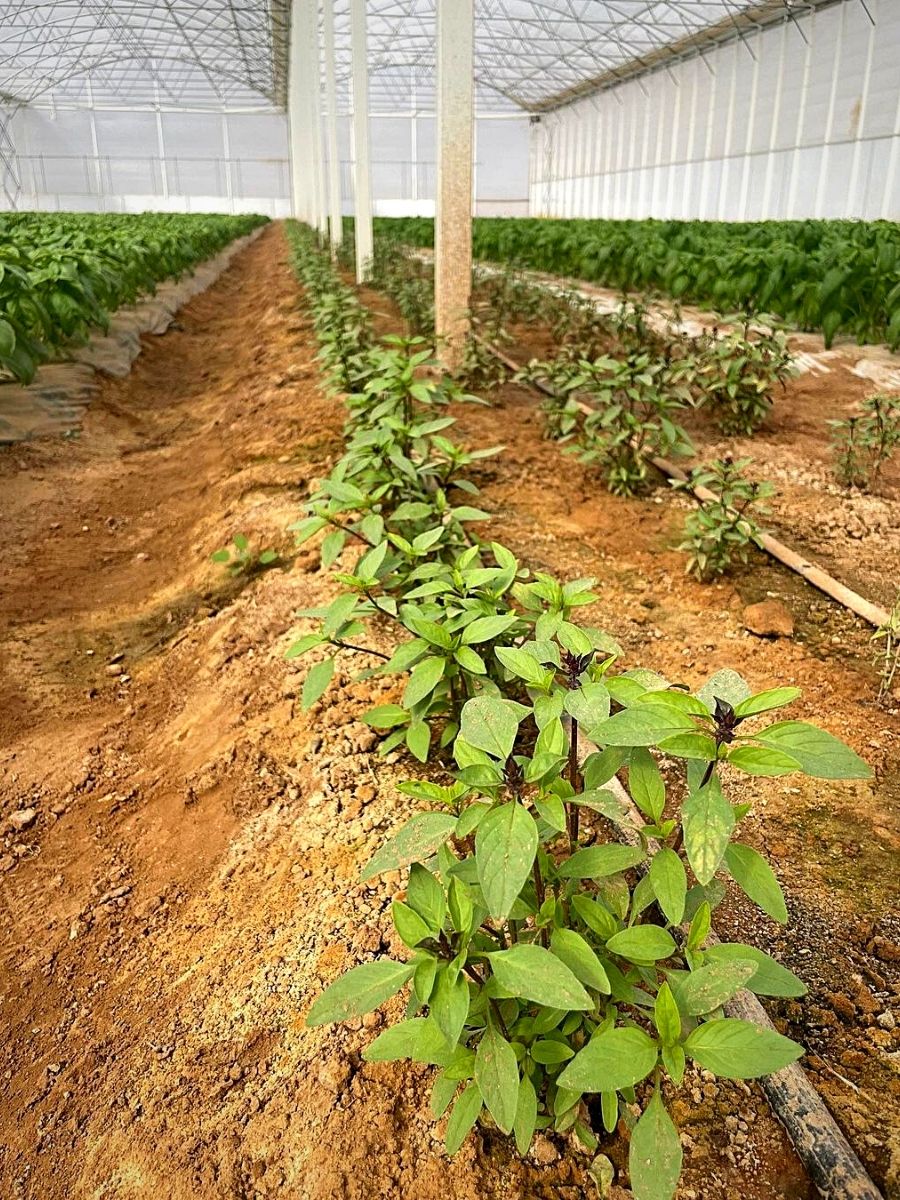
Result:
[[506, 842], [615, 1059], [765, 701], [761, 760], [655, 1154], [497, 1076], [707, 820], [642, 943], [425, 896], [526, 1115], [466, 1112], [642, 725], [485, 629], [751, 871], [532, 972], [819, 753], [359, 991], [409, 925], [770, 979], [424, 678], [735, 1049], [316, 682], [491, 724], [574, 950], [669, 880], [417, 840], [595, 862], [712, 985], [646, 784], [449, 1004]]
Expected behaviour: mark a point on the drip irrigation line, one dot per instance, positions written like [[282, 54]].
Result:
[[830, 1161], [808, 570]]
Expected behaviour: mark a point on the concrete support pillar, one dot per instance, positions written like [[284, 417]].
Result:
[[362, 172], [331, 130], [453, 223]]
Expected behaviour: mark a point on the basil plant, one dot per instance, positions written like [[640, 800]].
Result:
[[558, 969]]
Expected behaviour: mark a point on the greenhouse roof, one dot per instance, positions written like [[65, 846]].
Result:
[[530, 54]]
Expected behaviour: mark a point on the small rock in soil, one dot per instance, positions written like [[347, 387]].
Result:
[[543, 1150], [23, 818], [333, 1074], [769, 618]]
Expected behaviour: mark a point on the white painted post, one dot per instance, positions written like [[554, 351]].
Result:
[[857, 207], [793, 210], [95, 147], [161, 145], [315, 120], [743, 213], [331, 131], [362, 177], [226, 151], [723, 205], [768, 212], [453, 223], [298, 121], [825, 184]]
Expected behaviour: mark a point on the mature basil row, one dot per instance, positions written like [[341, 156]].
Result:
[[546, 963], [63, 274]]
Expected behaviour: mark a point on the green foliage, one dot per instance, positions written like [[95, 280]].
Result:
[[410, 284], [832, 276], [543, 960], [620, 411], [722, 530], [240, 556], [548, 977], [864, 443], [63, 274], [737, 372]]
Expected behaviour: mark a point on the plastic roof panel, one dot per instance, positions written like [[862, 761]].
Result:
[[188, 53], [211, 53]]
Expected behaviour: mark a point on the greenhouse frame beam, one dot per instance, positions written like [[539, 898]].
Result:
[[453, 217], [362, 170], [750, 19]]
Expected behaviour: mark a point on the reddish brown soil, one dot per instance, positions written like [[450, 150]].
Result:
[[188, 880]]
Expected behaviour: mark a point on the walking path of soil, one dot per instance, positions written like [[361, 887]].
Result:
[[180, 845]]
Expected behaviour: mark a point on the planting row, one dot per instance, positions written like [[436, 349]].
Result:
[[829, 276], [556, 978], [63, 274], [621, 390]]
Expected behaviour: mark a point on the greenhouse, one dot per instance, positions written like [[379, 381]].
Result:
[[450, 619]]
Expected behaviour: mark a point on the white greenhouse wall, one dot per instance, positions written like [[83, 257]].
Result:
[[127, 160], [768, 126]]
